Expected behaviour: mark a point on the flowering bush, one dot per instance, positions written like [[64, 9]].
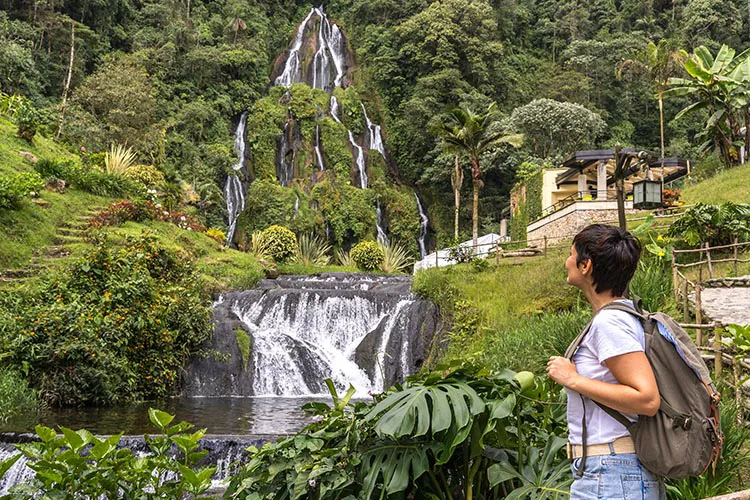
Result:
[[671, 197], [216, 234], [119, 327], [143, 210], [368, 255]]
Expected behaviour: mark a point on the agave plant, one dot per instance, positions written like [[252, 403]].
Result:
[[312, 251], [344, 258], [119, 159], [260, 246], [396, 259]]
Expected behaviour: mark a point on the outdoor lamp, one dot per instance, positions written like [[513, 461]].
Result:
[[647, 194]]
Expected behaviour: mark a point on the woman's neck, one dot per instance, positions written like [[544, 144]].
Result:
[[599, 300]]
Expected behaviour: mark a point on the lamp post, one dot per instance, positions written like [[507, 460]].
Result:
[[621, 159]]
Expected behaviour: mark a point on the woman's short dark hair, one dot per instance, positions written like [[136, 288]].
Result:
[[614, 254]]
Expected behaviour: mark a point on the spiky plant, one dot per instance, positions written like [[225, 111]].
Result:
[[397, 259], [119, 159], [312, 251], [344, 258], [260, 246]]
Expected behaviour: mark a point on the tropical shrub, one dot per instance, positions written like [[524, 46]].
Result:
[[143, 210], [312, 251], [281, 243], [717, 225], [15, 394], [395, 258], [96, 467], [14, 187], [148, 175], [118, 327], [368, 255], [216, 234], [344, 258], [27, 118], [457, 432], [86, 179]]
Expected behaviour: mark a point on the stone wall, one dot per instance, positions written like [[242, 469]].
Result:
[[566, 223]]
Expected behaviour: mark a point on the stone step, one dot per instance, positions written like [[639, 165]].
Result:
[[64, 239], [16, 273], [71, 232]]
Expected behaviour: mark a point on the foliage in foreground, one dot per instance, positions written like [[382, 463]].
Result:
[[15, 394], [118, 327], [715, 224], [92, 467], [457, 432]]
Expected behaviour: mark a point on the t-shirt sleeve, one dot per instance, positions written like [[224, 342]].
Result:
[[614, 333]]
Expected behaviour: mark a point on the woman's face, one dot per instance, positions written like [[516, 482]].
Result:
[[575, 275]]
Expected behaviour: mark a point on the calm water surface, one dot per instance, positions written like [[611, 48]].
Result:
[[261, 415]]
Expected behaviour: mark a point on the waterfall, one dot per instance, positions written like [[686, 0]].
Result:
[[296, 207], [335, 109], [360, 160], [318, 154], [285, 168], [351, 328], [382, 237], [233, 190], [321, 62], [423, 231], [292, 68], [376, 138]]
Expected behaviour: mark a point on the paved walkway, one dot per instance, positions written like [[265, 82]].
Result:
[[726, 305]]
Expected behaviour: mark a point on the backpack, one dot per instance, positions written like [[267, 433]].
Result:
[[684, 438]]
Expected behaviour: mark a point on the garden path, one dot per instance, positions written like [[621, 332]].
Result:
[[727, 305]]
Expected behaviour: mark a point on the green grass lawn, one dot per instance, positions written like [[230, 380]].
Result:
[[10, 145], [730, 185]]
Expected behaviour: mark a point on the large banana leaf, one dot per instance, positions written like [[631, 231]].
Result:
[[420, 409]]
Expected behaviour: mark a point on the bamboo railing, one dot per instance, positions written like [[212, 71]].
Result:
[[683, 286]]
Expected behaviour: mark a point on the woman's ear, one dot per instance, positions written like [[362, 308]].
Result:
[[586, 267]]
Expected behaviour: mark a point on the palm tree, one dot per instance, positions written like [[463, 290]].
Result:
[[660, 61], [720, 86], [457, 180], [474, 133]]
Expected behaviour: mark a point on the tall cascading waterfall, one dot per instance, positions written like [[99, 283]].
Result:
[[376, 138], [318, 153], [233, 190], [293, 67], [335, 109], [285, 149], [367, 330], [382, 237], [359, 160], [423, 230]]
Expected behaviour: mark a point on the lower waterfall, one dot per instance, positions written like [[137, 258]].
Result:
[[366, 330]]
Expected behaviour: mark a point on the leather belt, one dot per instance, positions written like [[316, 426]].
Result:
[[620, 445]]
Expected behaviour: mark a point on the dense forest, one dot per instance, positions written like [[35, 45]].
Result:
[[172, 77]]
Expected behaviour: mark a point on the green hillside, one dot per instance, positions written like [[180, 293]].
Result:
[[729, 185], [11, 145]]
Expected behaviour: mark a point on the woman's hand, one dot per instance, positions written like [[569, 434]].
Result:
[[562, 371]]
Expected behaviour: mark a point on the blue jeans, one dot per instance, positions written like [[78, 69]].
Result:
[[619, 477]]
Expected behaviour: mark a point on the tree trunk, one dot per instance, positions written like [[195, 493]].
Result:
[[747, 132], [66, 87], [620, 189], [458, 181], [475, 216], [661, 131], [476, 178]]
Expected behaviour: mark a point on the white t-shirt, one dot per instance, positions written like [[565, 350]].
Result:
[[612, 333]]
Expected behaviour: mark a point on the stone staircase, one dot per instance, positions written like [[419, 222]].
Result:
[[46, 258]]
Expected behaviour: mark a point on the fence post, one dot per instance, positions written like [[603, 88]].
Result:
[[737, 388], [736, 256], [685, 308], [698, 312], [545, 245], [708, 259], [675, 284], [718, 365]]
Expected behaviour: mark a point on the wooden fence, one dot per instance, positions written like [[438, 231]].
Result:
[[710, 332]]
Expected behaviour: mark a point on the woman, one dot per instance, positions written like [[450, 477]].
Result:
[[609, 367]]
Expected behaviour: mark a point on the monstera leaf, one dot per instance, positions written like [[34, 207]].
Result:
[[419, 409], [398, 464]]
